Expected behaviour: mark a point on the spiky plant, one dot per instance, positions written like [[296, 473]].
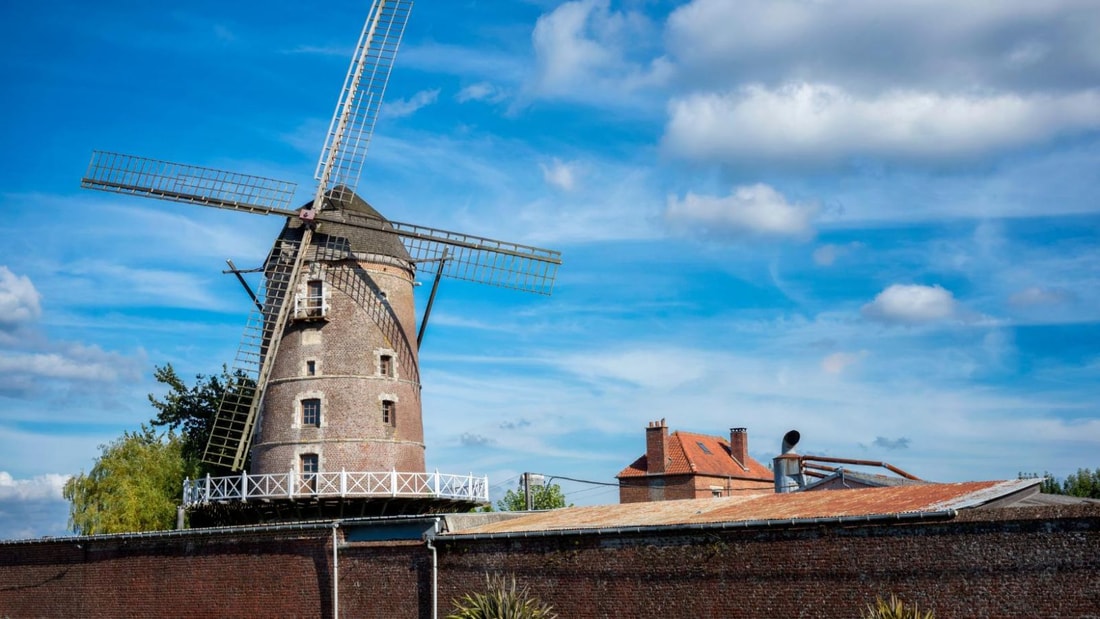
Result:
[[502, 600], [894, 609]]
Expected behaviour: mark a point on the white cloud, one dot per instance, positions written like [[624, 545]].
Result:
[[33, 507], [823, 123], [559, 174], [911, 304], [481, 91], [400, 108], [41, 487], [838, 362], [937, 44], [19, 300], [752, 210], [582, 51]]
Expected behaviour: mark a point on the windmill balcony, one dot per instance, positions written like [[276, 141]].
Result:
[[310, 307], [337, 484]]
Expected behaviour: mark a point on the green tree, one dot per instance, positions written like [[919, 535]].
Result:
[[1084, 483], [135, 485], [542, 497], [191, 410]]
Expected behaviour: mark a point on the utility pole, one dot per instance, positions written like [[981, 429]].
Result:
[[528, 499]]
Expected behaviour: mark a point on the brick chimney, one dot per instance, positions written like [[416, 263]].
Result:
[[739, 446], [656, 447]]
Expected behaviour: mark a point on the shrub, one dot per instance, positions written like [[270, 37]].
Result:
[[502, 600], [894, 609]]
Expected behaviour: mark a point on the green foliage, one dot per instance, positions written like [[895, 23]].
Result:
[[894, 609], [134, 485], [191, 410], [542, 497], [502, 600], [1084, 483]]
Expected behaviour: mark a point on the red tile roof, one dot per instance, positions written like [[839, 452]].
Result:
[[687, 453], [767, 506]]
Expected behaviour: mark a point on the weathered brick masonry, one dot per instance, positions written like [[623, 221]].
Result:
[[1021, 562]]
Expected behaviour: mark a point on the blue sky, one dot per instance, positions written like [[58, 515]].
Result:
[[875, 222]]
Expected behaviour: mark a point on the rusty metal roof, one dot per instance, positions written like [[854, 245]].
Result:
[[767, 506]]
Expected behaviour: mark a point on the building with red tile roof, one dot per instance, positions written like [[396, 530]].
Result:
[[685, 465]]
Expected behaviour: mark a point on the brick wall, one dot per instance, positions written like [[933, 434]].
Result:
[[1034, 562]]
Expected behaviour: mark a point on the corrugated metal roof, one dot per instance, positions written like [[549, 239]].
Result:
[[765, 507]]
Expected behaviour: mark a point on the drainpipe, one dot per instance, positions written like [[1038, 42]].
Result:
[[435, 568], [335, 574]]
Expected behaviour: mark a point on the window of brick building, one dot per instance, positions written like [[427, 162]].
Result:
[[315, 297], [310, 466], [385, 365], [311, 412], [389, 412], [311, 368]]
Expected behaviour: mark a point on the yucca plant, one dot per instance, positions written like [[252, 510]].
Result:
[[502, 600], [894, 609]]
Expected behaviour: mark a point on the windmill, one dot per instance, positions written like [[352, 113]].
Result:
[[328, 364]]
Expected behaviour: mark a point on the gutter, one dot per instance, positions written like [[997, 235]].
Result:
[[946, 514], [313, 525]]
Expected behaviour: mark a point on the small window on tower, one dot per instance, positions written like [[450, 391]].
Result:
[[311, 368], [315, 297], [310, 466], [389, 412], [385, 365], [311, 412]]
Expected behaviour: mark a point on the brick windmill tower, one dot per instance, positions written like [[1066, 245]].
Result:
[[327, 398]]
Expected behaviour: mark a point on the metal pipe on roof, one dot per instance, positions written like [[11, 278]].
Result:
[[884, 465], [945, 514]]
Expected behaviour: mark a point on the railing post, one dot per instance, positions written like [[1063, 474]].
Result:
[[186, 487], [485, 488], [292, 482], [244, 485], [206, 497], [393, 482], [435, 482], [343, 482]]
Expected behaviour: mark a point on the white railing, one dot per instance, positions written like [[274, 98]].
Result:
[[295, 485]]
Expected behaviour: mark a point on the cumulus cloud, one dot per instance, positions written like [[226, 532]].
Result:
[[837, 362], [823, 123], [925, 44], [911, 304], [750, 210], [32, 507], [559, 174], [19, 301], [583, 49], [401, 108]]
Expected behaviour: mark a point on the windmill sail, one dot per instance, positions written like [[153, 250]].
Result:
[[352, 125], [179, 182]]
